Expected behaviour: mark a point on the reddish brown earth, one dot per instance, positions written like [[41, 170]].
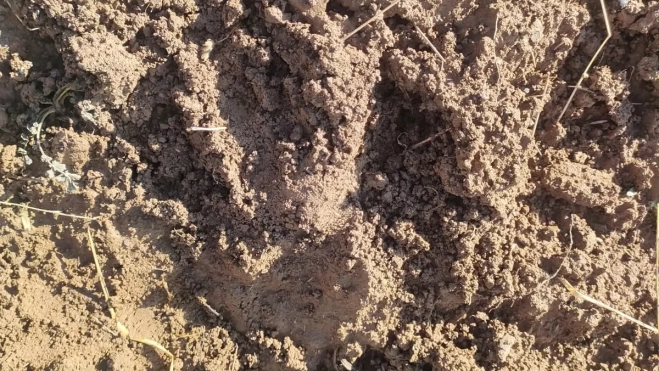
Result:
[[367, 203]]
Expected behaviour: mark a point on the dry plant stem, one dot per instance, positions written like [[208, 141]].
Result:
[[370, 20], [203, 302], [592, 60], [496, 60], [157, 345], [589, 299], [54, 212], [123, 331], [198, 128], [19, 18], [430, 44], [427, 140], [106, 293], [581, 88]]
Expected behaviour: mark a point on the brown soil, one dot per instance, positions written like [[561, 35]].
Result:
[[322, 227]]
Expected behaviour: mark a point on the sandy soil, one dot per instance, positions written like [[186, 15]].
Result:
[[368, 203]]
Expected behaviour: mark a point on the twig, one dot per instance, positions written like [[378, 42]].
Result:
[[370, 20], [589, 299], [204, 302], [106, 293], [157, 345], [19, 18], [496, 60], [592, 60], [123, 331], [427, 140], [199, 128], [430, 44], [54, 212], [581, 88], [592, 300]]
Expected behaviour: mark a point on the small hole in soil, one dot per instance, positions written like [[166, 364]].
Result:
[[371, 360], [11, 290], [454, 201], [336, 7], [394, 22]]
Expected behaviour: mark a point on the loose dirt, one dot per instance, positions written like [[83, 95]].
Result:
[[368, 204]]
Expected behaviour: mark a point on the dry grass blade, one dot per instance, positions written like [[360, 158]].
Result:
[[427, 140], [592, 300], [54, 212], [123, 330], [370, 20], [592, 60], [199, 128], [161, 348], [13, 11], [106, 293], [430, 44]]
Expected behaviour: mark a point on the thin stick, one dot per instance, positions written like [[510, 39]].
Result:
[[581, 88], [427, 140], [587, 298], [54, 212], [199, 128], [157, 345], [370, 20], [204, 302], [496, 60], [123, 331], [19, 18], [592, 60], [106, 293], [430, 44]]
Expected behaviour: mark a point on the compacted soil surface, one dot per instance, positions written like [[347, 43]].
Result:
[[356, 201]]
